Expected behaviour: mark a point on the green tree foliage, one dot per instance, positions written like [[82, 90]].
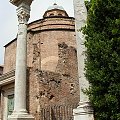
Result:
[[103, 57]]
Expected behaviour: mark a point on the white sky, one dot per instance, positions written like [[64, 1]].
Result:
[[8, 18]]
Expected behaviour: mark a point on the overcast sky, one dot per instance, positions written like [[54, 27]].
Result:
[[8, 18]]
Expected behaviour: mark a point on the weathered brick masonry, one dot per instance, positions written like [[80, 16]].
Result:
[[51, 60]]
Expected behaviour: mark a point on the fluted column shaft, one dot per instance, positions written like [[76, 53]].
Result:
[[84, 110], [23, 13], [20, 112], [80, 21]]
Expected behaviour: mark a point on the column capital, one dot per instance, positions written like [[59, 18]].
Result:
[[23, 13]]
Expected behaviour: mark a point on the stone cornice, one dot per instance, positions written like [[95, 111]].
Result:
[[18, 2], [7, 75]]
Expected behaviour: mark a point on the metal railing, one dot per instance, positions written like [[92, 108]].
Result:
[[57, 112]]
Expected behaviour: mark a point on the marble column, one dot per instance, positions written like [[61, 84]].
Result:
[[84, 111], [20, 112]]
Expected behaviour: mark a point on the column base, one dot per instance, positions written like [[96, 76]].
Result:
[[20, 116], [83, 112]]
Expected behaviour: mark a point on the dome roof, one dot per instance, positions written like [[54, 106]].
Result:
[[55, 6], [55, 10]]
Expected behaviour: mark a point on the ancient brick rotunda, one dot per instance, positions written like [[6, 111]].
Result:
[[52, 75]]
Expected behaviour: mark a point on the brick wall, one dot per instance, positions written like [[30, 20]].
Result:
[[61, 87], [47, 40], [52, 62]]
